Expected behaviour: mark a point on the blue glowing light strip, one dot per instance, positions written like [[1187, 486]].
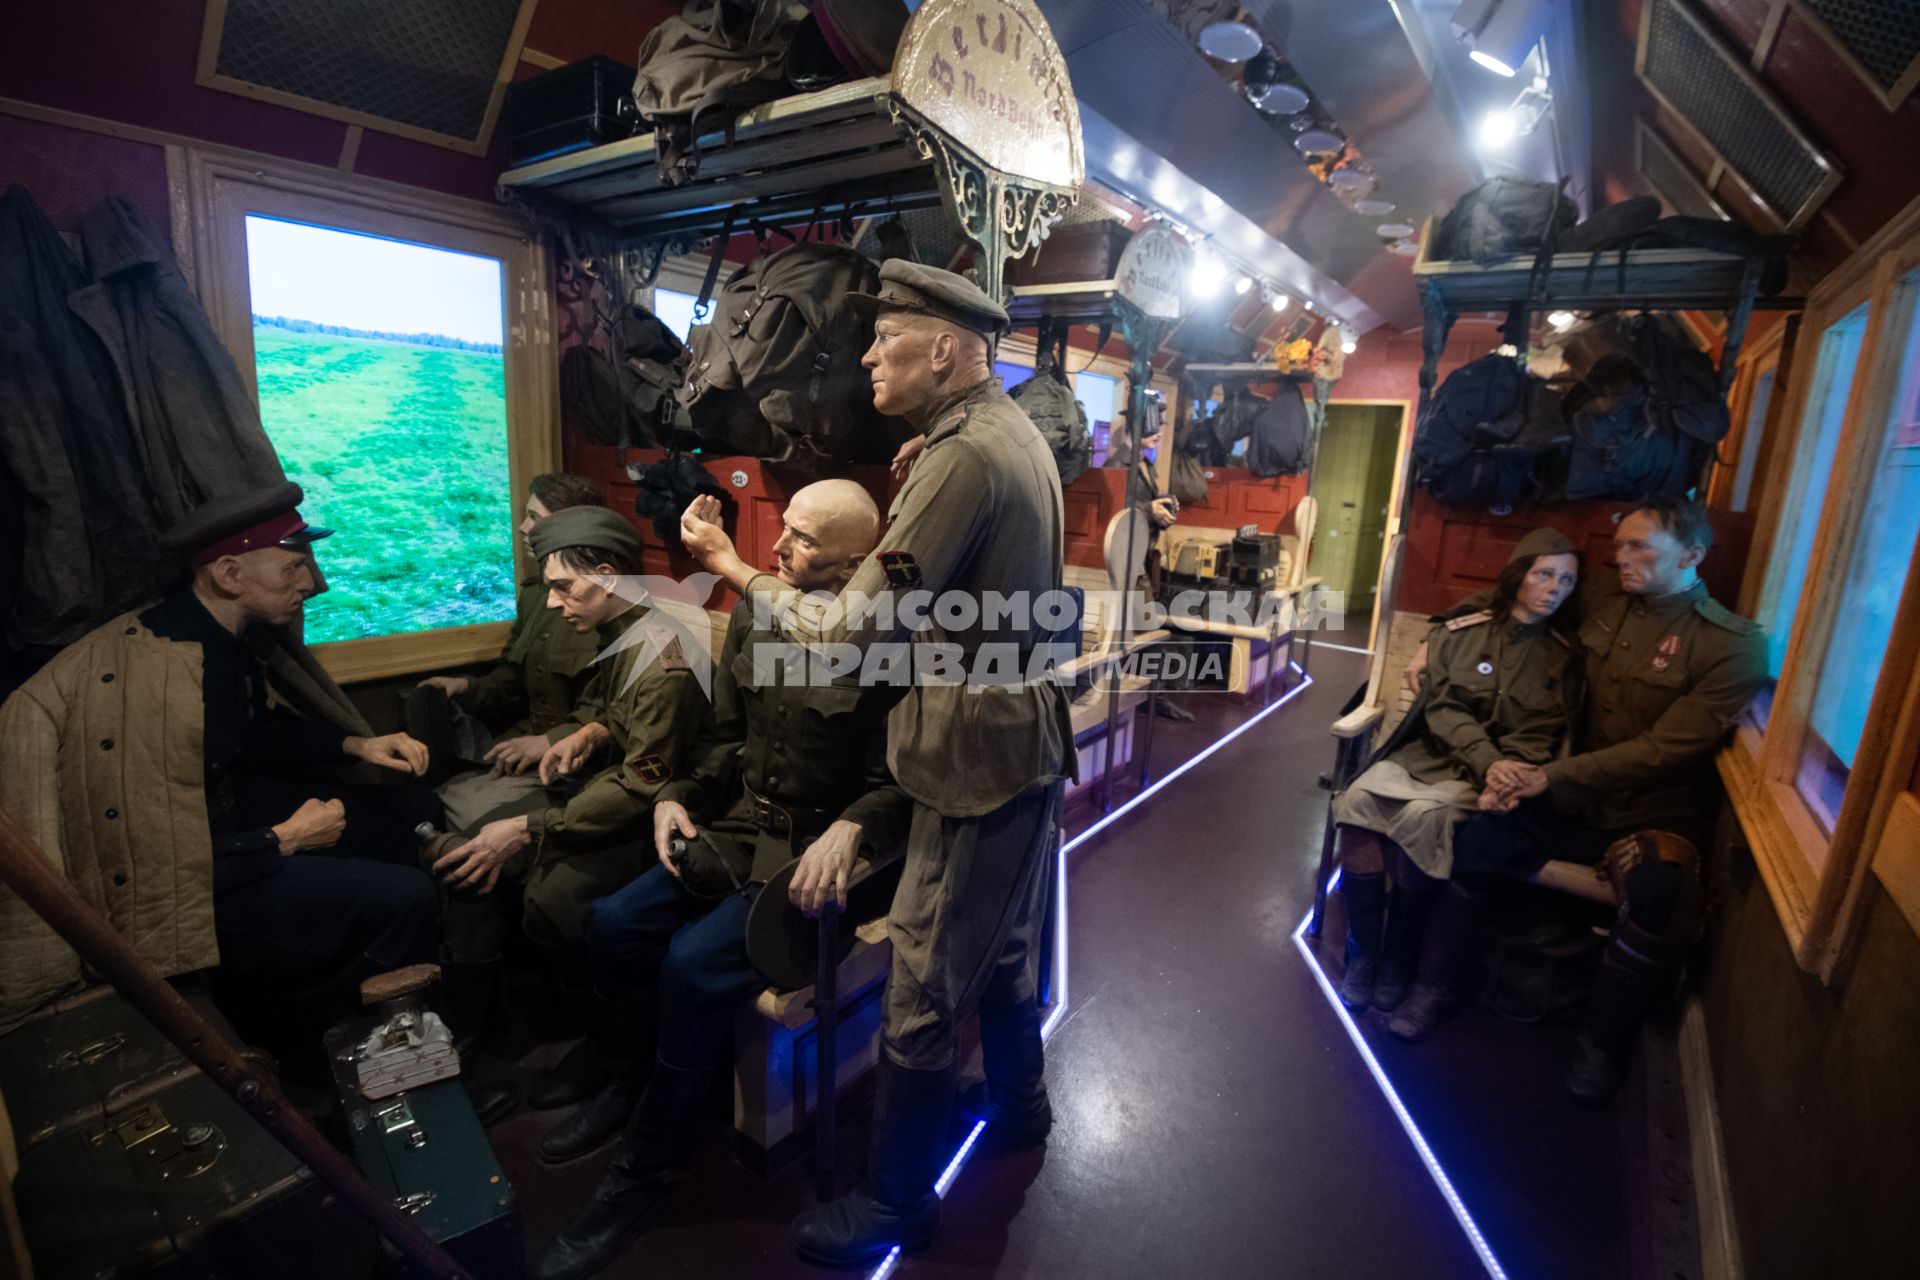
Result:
[[1439, 1175], [1057, 1013]]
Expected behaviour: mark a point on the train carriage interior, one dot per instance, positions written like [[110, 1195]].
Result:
[[960, 638]]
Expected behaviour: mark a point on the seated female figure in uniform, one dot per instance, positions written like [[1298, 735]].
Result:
[[1496, 689]]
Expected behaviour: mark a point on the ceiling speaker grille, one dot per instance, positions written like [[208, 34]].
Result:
[[1671, 177], [1713, 91], [1882, 35], [429, 66]]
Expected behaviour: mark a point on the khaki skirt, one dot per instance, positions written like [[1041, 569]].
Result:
[[1417, 816]]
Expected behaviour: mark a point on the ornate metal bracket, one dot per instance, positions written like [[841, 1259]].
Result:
[[1003, 216]]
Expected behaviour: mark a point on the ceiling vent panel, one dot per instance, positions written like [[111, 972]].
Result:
[[1710, 87], [1677, 184], [1880, 38], [433, 70]]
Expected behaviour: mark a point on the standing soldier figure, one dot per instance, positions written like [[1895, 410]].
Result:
[[980, 513]]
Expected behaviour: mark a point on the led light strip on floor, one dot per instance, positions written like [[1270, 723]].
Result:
[[1439, 1175], [1058, 1012]]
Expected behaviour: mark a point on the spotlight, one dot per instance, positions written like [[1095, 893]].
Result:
[[1208, 275], [1500, 34], [1561, 319], [1497, 129], [1279, 303], [1348, 343], [1243, 284]]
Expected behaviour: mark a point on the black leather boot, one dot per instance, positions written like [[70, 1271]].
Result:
[[1013, 1098], [1617, 1006], [625, 1029], [896, 1206], [1366, 897], [1400, 945], [636, 1186], [1445, 955]]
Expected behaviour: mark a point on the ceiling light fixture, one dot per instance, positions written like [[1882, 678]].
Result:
[[1229, 41], [1243, 284], [1501, 34], [1209, 273], [1499, 128], [1279, 303]]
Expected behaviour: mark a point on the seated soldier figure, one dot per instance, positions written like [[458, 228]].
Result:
[[1497, 688], [505, 720], [256, 855], [638, 715], [793, 761], [1668, 671]]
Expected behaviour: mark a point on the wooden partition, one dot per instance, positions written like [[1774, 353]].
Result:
[[1235, 496], [1453, 552]]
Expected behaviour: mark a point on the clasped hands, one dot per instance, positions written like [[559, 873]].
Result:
[[1509, 782]]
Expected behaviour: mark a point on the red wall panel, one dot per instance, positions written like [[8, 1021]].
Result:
[[70, 171]]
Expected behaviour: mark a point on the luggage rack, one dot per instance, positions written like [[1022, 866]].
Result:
[[1244, 371], [1092, 302], [835, 151]]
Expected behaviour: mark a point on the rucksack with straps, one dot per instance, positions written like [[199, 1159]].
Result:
[[1621, 449], [1278, 446], [1504, 218], [777, 372], [1485, 434], [1049, 402], [701, 69]]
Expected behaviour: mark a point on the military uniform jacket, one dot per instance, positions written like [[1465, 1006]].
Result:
[[979, 513], [541, 675], [652, 713], [1496, 690], [1666, 678], [816, 747]]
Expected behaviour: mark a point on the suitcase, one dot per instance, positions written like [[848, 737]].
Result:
[[426, 1148], [132, 1163], [1254, 561], [583, 104]]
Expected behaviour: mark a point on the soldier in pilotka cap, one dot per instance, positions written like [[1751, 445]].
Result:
[[980, 512], [258, 855]]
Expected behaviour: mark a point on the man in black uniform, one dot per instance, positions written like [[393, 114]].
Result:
[[315, 879], [791, 759]]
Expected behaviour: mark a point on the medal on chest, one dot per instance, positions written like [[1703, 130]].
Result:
[[1664, 655]]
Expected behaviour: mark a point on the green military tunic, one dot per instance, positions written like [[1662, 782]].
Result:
[[782, 758], [980, 512], [1666, 678], [540, 676], [1497, 689]]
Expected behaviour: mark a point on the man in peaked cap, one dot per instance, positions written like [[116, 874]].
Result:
[[979, 513], [297, 883]]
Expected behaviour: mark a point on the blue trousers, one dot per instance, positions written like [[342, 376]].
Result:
[[695, 950]]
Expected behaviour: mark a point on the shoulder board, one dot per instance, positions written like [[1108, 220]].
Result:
[[1466, 620], [1564, 642], [1724, 618]]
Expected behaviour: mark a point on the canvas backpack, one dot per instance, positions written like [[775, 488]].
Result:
[[1683, 387], [1050, 404], [701, 69], [777, 372], [1504, 217], [1278, 446], [1485, 435]]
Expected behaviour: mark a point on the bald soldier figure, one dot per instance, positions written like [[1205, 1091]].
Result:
[[790, 761], [979, 514]]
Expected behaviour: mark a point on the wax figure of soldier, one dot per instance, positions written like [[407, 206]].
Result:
[[790, 761], [505, 720], [638, 714], [1501, 685], [980, 513], [1668, 670], [310, 884]]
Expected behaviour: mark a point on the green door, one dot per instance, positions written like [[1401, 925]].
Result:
[[1353, 481]]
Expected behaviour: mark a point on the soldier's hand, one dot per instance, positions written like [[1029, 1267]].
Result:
[[516, 755], [479, 862], [701, 534], [568, 754], [1512, 781], [1416, 668], [454, 685], [825, 868], [670, 819], [316, 824], [903, 460], [1492, 801], [394, 751]]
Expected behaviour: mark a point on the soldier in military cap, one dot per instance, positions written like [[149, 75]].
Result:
[[980, 513], [306, 882], [1501, 685], [506, 719], [791, 760], [1668, 671]]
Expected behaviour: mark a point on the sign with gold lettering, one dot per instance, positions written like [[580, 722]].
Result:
[[988, 75], [1153, 271]]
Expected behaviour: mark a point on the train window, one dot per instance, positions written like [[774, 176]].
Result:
[[675, 310], [1096, 393], [1812, 468], [1756, 418], [1887, 524]]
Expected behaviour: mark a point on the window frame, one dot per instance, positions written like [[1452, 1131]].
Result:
[[218, 191], [1817, 881], [1757, 359]]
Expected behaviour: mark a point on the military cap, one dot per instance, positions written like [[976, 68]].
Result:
[[1542, 542], [237, 523], [596, 527], [944, 295]]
